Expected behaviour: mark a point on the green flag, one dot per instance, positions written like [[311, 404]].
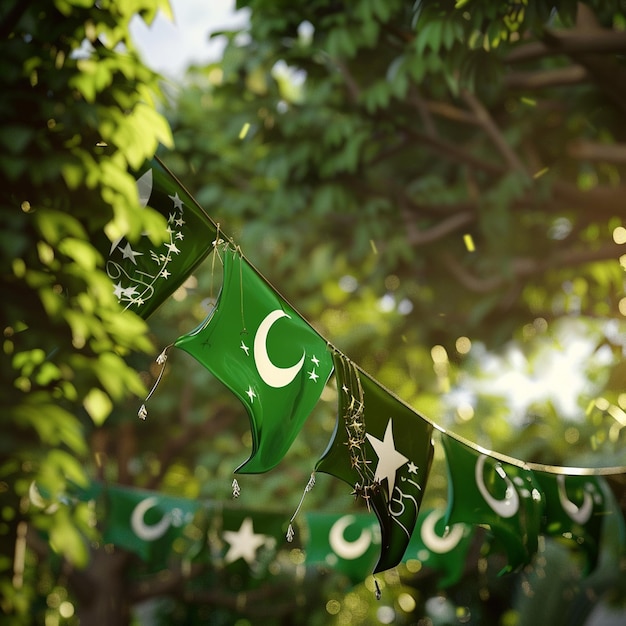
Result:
[[575, 509], [145, 275], [349, 544], [146, 522], [259, 347], [505, 497], [439, 549], [384, 450], [245, 543]]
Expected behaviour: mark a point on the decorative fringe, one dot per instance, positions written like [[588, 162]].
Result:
[[236, 489], [378, 592], [161, 360], [290, 531]]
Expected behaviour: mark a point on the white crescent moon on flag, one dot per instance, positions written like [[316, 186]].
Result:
[[348, 550], [139, 526], [579, 514], [433, 541], [272, 375], [506, 507]]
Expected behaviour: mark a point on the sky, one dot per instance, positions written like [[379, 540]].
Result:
[[170, 46]]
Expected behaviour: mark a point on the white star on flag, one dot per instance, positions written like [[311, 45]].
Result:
[[118, 290], [245, 348], [172, 248], [178, 203], [315, 361], [389, 459], [243, 543], [251, 393], [129, 253], [313, 375]]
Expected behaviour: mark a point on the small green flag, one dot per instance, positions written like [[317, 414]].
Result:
[[439, 549], [259, 347], [146, 522], [575, 509], [383, 449], [246, 543], [145, 275], [348, 544], [485, 491]]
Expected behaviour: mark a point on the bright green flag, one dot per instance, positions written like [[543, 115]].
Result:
[[146, 522], [575, 509], [144, 275], [259, 347], [383, 449], [505, 497], [438, 549], [348, 544]]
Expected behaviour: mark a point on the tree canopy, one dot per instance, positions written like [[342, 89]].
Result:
[[435, 186]]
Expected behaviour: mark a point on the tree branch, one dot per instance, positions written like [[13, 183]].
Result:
[[540, 79], [493, 132], [525, 267], [593, 151], [567, 42]]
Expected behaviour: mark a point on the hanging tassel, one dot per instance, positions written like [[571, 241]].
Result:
[[290, 531], [378, 592], [236, 489], [161, 360]]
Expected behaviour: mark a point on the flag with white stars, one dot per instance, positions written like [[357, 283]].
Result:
[[261, 349], [143, 274], [507, 498], [383, 449], [576, 507]]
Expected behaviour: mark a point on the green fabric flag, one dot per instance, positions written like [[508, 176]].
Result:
[[145, 275], [245, 543], [146, 522], [437, 549], [259, 347], [348, 544], [384, 450], [485, 491], [575, 509]]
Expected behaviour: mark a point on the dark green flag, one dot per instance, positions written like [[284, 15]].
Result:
[[439, 549], [575, 509], [145, 275], [349, 544], [505, 497], [146, 522], [384, 450], [272, 359]]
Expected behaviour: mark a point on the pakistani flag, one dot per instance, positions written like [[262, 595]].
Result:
[[348, 544], [246, 543], [575, 509], [146, 522], [261, 349], [505, 497], [145, 275], [438, 548], [383, 449]]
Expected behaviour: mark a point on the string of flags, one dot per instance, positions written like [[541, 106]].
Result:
[[158, 528], [277, 364]]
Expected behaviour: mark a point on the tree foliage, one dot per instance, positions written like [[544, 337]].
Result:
[[78, 110]]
